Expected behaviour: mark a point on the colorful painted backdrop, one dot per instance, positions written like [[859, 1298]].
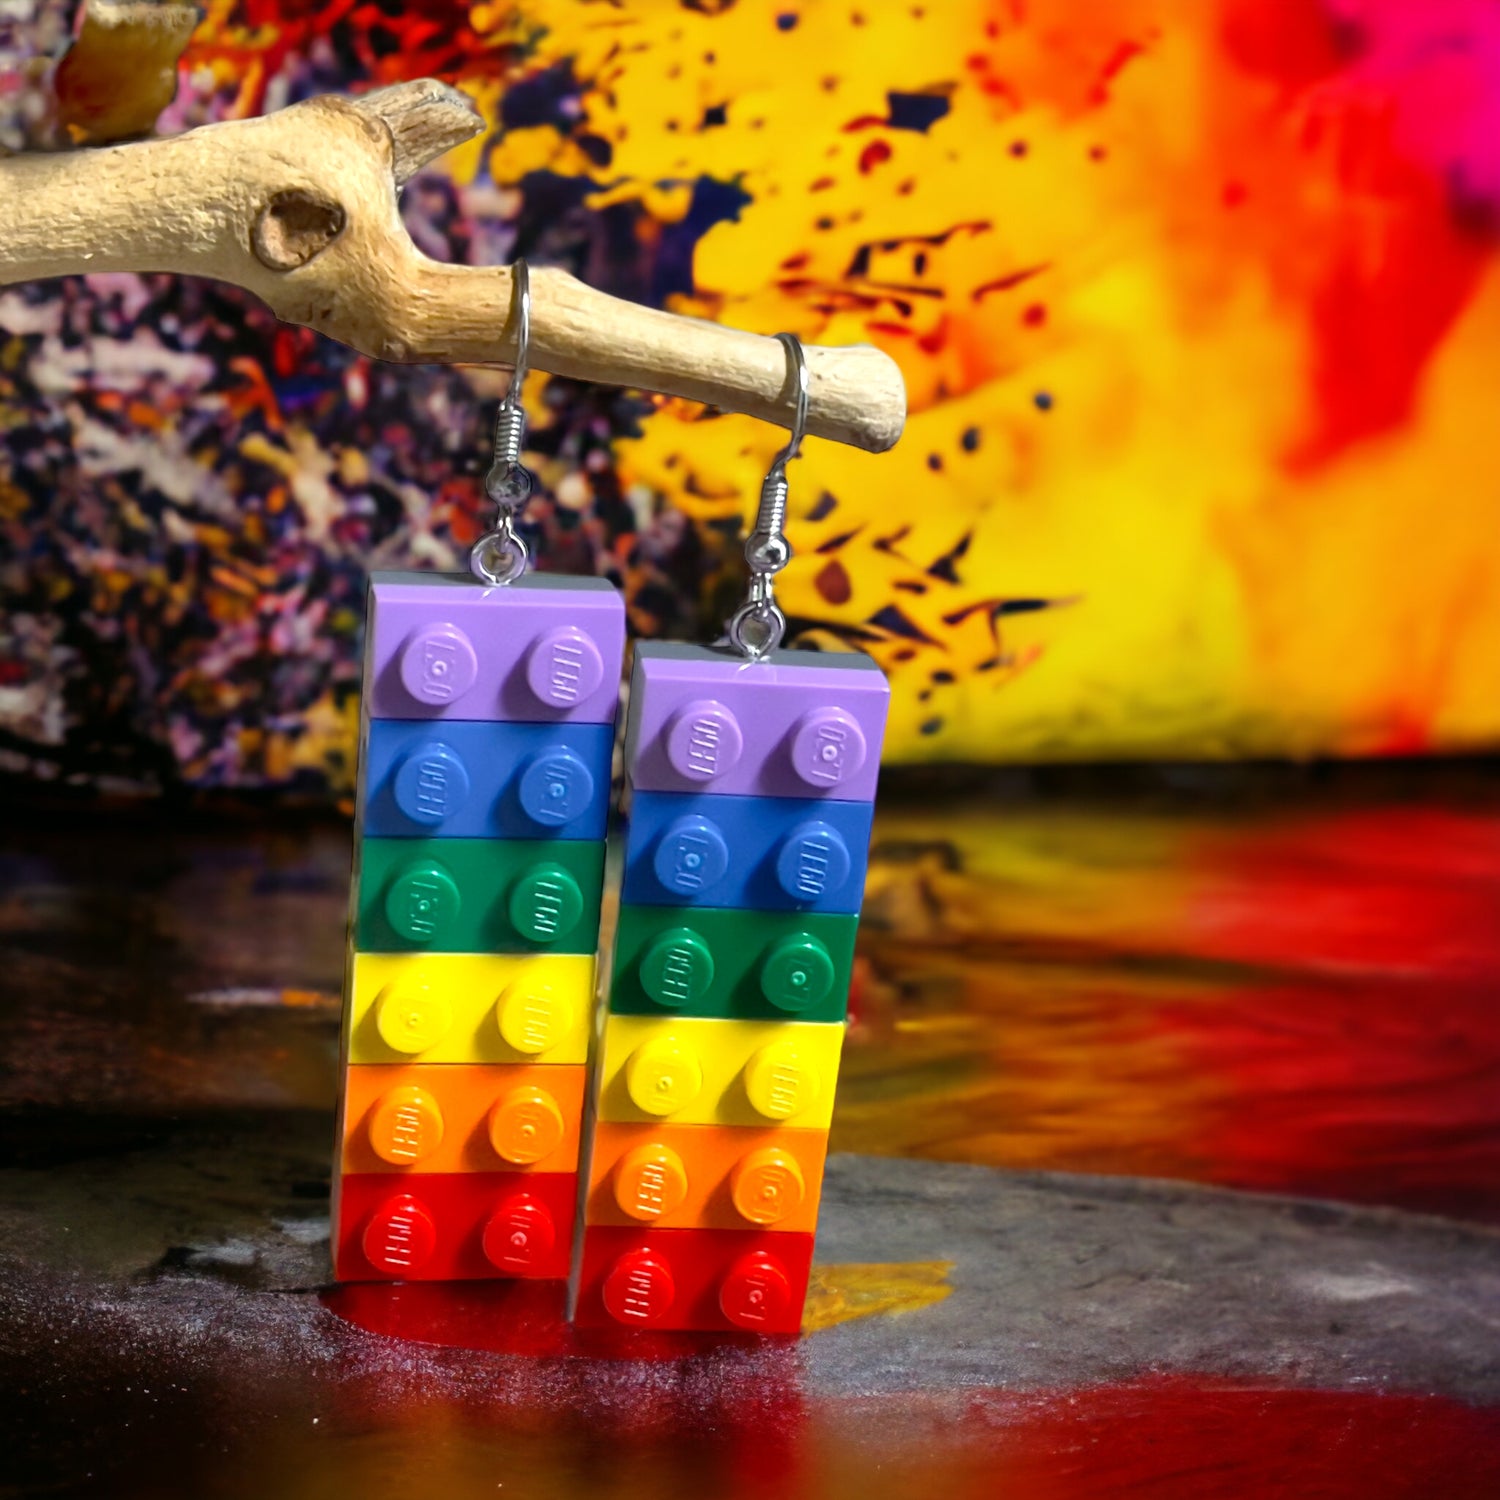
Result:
[[1197, 303]]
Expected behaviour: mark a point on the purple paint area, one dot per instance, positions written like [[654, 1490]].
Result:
[[543, 649], [801, 724]]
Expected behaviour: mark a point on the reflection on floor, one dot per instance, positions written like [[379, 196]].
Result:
[[1297, 999], [1288, 990]]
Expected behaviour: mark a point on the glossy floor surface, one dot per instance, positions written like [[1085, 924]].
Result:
[[1279, 983]]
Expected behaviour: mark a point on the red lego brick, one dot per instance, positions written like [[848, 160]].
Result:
[[450, 1226], [702, 1279]]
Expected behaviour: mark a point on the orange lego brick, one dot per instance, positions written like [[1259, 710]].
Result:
[[462, 1117], [705, 1177]]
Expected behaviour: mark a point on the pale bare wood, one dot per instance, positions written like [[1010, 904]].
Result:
[[299, 207]]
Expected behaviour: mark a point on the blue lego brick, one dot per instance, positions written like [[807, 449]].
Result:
[[468, 779], [750, 853]]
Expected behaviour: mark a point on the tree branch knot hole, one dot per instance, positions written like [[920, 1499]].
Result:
[[295, 226]]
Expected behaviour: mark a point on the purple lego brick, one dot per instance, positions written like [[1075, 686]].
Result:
[[544, 649], [799, 724]]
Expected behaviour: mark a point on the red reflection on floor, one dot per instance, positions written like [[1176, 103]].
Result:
[[507, 1317], [1373, 1072], [1295, 998], [1207, 1440], [1386, 892], [1194, 1438]]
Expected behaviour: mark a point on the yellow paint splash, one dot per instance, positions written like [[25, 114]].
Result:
[[840, 1294], [1134, 266]]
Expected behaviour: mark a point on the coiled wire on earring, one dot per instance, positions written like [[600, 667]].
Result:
[[500, 556]]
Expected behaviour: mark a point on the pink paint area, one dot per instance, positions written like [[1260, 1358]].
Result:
[[1437, 65]]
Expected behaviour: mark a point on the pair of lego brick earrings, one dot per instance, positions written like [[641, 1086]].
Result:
[[664, 1150]]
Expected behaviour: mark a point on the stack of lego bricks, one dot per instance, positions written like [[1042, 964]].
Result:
[[484, 796], [751, 799]]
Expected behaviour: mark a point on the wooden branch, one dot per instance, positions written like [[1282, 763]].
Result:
[[120, 71], [299, 207]]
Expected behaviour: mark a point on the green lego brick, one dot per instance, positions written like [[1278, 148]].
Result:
[[728, 964], [479, 895]]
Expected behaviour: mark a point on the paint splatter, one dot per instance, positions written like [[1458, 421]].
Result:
[[1242, 258]]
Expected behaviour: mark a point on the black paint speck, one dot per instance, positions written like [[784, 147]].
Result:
[[919, 112], [970, 439], [932, 726], [1043, 400], [786, 21]]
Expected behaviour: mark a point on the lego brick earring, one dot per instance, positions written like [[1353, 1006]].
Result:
[[752, 771], [486, 738]]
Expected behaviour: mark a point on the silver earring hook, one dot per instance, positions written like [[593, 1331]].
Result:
[[758, 626], [500, 556]]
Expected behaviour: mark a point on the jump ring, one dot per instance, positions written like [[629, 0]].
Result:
[[500, 556], [756, 629]]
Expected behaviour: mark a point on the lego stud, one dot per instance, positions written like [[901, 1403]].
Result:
[[399, 1236], [691, 856], [405, 1125], [534, 1017], [519, 1235], [431, 784], [796, 973], [650, 1182], [438, 665], [703, 740], [767, 1185], [780, 1082], [564, 668], [422, 902], [639, 1289], [410, 1019], [545, 904], [526, 1126], [662, 1076], [556, 787], [755, 1291], [812, 863], [678, 968], [828, 747]]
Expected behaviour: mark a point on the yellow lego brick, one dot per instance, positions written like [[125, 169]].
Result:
[[695, 1071], [469, 1008]]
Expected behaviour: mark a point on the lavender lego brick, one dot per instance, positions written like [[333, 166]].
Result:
[[798, 724], [545, 649], [466, 779], [758, 853]]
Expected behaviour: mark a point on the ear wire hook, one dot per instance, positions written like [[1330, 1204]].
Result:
[[758, 626], [500, 556]]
